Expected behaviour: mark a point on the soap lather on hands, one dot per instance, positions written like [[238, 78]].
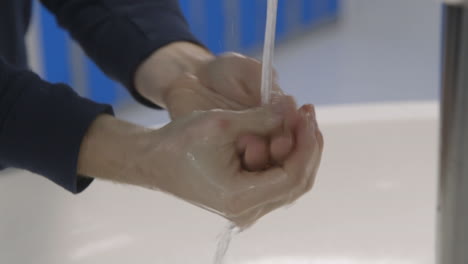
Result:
[[222, 151]]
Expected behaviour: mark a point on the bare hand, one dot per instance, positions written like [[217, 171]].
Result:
[[196, 159]]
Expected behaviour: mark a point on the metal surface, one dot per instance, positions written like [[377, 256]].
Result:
[[452, 235]]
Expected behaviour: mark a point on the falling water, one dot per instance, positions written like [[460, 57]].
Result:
[[267, 84], [223, 243]]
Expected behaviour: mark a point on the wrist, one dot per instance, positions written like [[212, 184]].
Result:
[[109, 148], [154, 76]]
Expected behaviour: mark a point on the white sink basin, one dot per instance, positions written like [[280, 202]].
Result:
[[374, 203]]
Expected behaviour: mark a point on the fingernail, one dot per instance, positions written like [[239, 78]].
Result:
[[310, 114], [276, 94], [312, 107], [307, 116], [279, 106]]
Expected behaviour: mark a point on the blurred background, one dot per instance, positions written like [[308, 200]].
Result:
[[329, 51]]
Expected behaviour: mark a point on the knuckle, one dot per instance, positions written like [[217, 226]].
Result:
[[251, 63], [218, 122], [233, 55], [230, 59]]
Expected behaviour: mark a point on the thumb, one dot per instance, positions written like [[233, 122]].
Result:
[[262, 120]]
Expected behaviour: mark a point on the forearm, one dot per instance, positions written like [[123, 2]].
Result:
[[120, 34], [154, 75]]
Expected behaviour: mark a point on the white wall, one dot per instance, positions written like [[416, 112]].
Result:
[[381, 50]]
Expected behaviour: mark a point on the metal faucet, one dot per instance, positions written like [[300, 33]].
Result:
[[452, 211]]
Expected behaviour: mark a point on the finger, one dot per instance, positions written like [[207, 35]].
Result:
[[306, 155], [283, 142], [228, 75], [242, 143], [255, 155], [312, 178], [249, 75], [261, 121], [280, 147], [317, 161], [289, 111], [188, 88], [320, 139], [236, 76]]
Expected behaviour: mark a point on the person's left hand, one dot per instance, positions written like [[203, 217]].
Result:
[[229, 82]]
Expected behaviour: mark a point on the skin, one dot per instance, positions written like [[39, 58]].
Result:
[[204, 82], [222, 151]]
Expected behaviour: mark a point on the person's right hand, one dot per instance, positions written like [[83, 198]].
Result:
[[196, 158]]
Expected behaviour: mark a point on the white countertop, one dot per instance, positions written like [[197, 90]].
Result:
[[374, 202]]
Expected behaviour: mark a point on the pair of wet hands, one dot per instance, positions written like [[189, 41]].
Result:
[[241, 162]]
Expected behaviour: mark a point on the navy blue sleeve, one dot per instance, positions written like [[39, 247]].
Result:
[[120, 34], [42, 125]]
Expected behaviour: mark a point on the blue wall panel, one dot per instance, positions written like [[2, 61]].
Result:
[[55, 50], [333, 7], [101, 89], [185, 5], [282, 21], [309, 12], [248, 22], [215, 25]]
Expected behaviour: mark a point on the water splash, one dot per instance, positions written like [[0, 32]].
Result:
[[223, 243]]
